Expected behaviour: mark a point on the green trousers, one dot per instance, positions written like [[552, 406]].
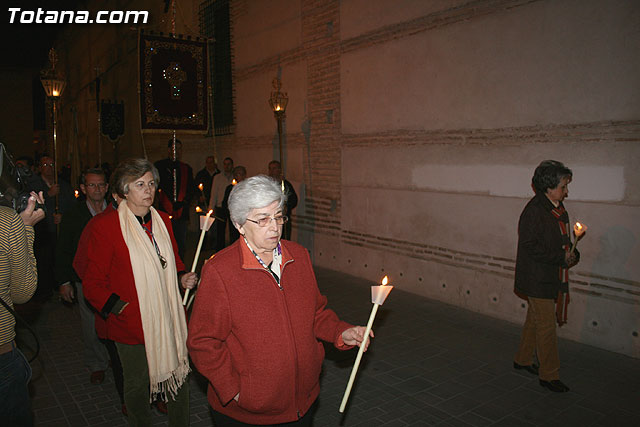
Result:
[[136, 389]]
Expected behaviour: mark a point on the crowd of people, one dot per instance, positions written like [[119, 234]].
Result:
[[115, 249], [255, 328]]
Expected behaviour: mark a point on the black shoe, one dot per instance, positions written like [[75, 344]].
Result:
[[532, 369], [556, 386]]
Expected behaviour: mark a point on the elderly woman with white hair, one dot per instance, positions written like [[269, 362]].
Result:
[[258, 319]]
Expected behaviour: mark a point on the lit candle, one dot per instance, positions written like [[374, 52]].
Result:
[[76, 194], [233, 181], [578, 232], [204, 226], [378, 295]]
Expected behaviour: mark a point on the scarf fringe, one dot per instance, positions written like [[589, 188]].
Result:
[[169, 387]]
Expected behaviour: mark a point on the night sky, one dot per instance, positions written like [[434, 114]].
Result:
[[27, 45]]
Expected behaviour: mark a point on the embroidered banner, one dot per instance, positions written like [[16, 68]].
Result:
[[112, 119], [173, 81]]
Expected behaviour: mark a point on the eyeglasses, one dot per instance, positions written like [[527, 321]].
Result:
[[263, 222], [92, 185]]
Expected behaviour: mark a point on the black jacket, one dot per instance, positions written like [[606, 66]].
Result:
[[540, 253], [73, 222]]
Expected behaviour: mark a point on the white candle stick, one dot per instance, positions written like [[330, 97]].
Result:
[[378, 295], [204, 226], [578, 231]]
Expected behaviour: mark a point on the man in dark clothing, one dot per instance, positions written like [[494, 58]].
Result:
[[275, 172], [176, 199], [94, 187], [542, 272], [204, 179]]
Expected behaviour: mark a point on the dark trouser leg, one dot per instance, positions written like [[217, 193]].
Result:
[[179, 408], [15, 406], [116, 366], [136, 383], [221, 420], [95, 354]]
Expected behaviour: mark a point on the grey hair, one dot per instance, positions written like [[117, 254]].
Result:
[[91, 171], [130, 170], [254, 193]]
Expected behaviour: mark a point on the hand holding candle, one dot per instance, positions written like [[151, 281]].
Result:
[[378, 295], [205, 224], [578, 232]]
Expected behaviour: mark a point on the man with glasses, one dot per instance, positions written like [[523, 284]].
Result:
[[94, 187]]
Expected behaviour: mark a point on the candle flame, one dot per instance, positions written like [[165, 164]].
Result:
[[77, 194], [56, 93], [200, 186], [277, 108], [234, 182], [170, 216], [578, 226], [198, 209], [210, 212], [385, 280]]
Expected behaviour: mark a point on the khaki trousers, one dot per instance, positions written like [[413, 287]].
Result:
[[539, 336]]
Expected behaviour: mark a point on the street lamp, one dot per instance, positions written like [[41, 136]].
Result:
[[278, 101], [53, 85]]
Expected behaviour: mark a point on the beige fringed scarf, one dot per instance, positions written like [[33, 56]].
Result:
[[163, 319]]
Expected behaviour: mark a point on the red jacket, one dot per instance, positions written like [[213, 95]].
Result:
[[108, 276], [248, 336]]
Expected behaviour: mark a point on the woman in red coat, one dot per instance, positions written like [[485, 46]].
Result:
[[133, 277], [258, 317]]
